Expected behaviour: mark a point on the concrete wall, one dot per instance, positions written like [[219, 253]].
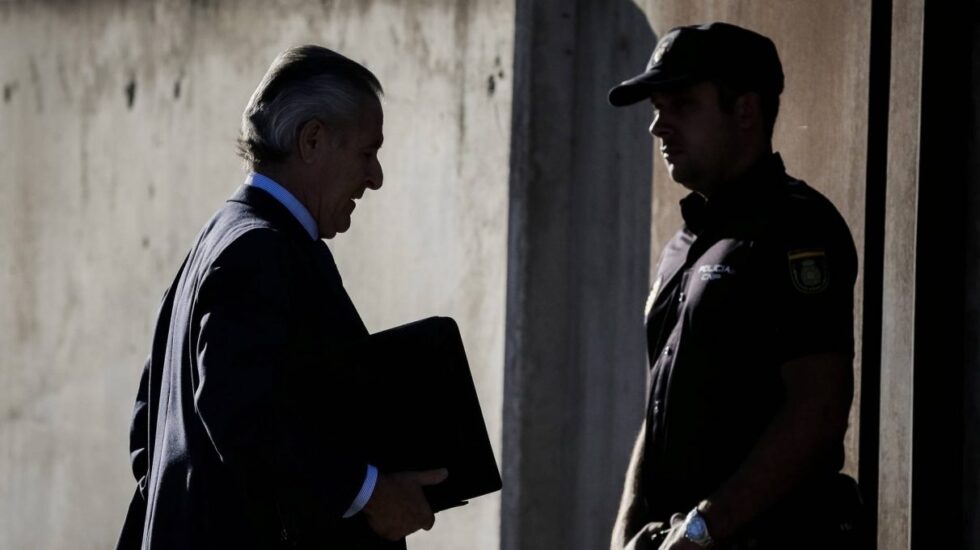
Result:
[[117, 128], [577, 273], [821, 130]]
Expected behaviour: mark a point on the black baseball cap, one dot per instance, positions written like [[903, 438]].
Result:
[[718, 52]]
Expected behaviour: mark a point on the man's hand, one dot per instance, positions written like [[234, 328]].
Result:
[[675, 538], [398, 507], [647, 538]]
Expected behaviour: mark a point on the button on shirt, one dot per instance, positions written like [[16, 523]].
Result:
[[305, 219], [761, 274]]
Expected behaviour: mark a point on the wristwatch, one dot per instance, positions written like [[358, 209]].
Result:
[[696, 529]]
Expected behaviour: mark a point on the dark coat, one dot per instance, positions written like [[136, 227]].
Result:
[[244, 430]]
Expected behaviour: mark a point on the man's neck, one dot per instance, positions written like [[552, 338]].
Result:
[[281, 174], [739, 168]]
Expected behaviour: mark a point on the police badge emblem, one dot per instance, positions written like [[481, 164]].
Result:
[[808, 270]]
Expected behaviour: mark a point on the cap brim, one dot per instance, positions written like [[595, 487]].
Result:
[[640, 87]]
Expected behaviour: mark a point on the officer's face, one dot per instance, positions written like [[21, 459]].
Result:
[[697, 138]]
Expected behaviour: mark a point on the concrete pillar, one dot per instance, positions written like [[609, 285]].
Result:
[[577, 272], [898, 295]]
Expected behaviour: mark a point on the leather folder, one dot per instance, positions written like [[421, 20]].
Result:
[[423, 411]]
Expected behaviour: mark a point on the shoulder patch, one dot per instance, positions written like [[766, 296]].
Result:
[[808, 270]]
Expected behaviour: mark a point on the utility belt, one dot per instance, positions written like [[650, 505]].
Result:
[[828, 514], [824, 515]]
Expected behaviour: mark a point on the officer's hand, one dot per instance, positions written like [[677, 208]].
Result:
[[648, 538], [675, 538], [398, 507]]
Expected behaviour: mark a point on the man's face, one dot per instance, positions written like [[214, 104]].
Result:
[[697, 138], [347, 167]]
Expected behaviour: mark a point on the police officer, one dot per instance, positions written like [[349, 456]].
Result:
[[749, 323]]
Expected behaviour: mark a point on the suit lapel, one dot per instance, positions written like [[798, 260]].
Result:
[[334, 303], [334, 287]]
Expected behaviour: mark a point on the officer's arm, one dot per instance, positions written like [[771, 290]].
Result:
[[632, 513], [808, 427]]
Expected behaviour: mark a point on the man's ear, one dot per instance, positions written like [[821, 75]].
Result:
[[312, 140], [748, 110]]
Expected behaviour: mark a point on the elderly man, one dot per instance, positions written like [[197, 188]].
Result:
[[244, 432], [749, 324]]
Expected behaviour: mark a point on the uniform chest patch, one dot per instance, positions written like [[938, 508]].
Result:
[[713, 272], [808, 270]]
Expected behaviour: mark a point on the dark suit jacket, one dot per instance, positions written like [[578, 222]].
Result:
[[245, 427]]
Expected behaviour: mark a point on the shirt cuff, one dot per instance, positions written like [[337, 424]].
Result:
[[367, 489]]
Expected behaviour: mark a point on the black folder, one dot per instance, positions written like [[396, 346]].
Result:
[[423, 412]]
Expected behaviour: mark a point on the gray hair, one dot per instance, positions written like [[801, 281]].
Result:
[[303, 83]]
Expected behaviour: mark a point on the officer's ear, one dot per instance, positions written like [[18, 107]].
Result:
[[748, 110]]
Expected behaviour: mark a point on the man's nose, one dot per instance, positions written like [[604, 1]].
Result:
[[375, 177], [659, 127]]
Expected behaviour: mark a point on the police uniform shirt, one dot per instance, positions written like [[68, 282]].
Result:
[[761, 274]]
